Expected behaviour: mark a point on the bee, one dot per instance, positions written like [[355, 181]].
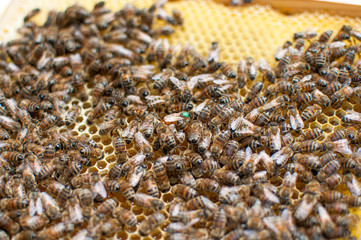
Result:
[[274, 138], [206, 184], [106, 208], [59, 190], [161, 176], [219, 142], [333, 181], [129, 133], [85, 179], [48, 122], [166, 137], [213, 53], [53, 232], [144, 144], [219, 223], [340, 146], [227, 70], [321, 98], [352, 117], [8, 224], [227, 177], [147, 201], [151, 184], [251, 68], [339, 96], [195, 132], [241, 73], [311, 112], [147, 126], [109, 227], [296, 120], [352, 133], [120, 148], [209, 165], [184, 191], [14, 158], [124, 216], [314, 133], [115, 171], [100, 109], [230, 149], [9, 123], [33, 222], [13, 203], [201, 202], [150, 223], [85, 200], [96, 153]]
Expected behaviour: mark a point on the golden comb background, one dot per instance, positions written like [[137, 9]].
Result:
[[254, 30]]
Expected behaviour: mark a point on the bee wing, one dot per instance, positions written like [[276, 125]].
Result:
[[172, 117], [135, 99], [342, 146], [176, 82], [352, 115], [280, 53], [39, 206], [270, 196], [199, 107], [220, 81], [354, 187], [98, 188], [241, 67], [192, 82], [276, 140], [153, 97], [225, 87], [32, 207], [306, 78], [263, 65], [299, 121], [248, 153], [337, 44]]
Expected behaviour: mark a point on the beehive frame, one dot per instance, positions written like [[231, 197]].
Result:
[[254, 31]]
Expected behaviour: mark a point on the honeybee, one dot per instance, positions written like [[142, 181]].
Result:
[[274, 138], [53, 232], [206, 184], [281, 157], [9, 123], [311, 112], [147, 201], [129, 133], [85, 200], [147, 126], [150, 223], [321, 98], [144, 144], [251, 68], [124, 216], [185, 88], [201, 202], [295, 119], [219, 223], [266, 70], [226, 177], [161, 176], [133, 162], [352, 117], [184, 191], [340, 146], [151, 184], [241, 73], [213, 53], [219, 142], [195, 132], [106, 208]]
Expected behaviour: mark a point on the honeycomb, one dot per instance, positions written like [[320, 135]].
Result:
[[254, 31]]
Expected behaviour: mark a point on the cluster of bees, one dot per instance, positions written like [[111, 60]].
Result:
[[238, 167]]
